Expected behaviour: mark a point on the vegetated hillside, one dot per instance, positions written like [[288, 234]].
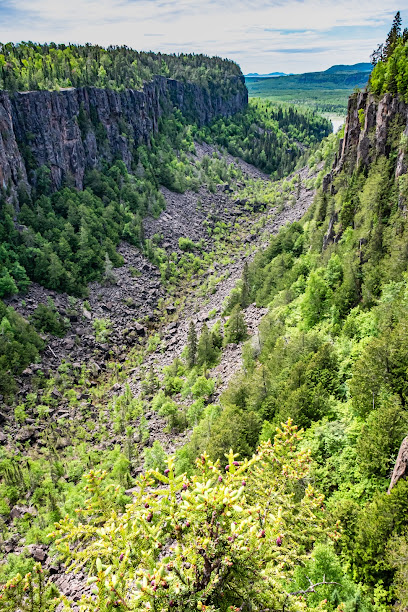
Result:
[[336, 77], [325, 91], [360, 67], [59, 424], [270, 136], [232, 530], [331, 353]]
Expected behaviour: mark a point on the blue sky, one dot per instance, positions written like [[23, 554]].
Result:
[[262, 36]]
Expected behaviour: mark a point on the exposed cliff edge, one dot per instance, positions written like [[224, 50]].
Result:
[[373, 128], [73, 130]]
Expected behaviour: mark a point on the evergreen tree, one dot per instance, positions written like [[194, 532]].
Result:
[[316, 299], [191, 346], [393, 36], [109, 277], [377, 55], [205, 349], [7, 284], [235, 328], [216, 335], [151, 382], [246, 287]]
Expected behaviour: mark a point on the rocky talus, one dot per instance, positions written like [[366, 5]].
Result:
[[124, 302]]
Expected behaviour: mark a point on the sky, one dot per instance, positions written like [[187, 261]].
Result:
[[263, 36]]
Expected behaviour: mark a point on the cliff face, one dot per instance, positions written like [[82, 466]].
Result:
[[373, 127], [73, 130]]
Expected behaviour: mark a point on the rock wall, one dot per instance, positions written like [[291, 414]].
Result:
[[373, 127], [73, 130]]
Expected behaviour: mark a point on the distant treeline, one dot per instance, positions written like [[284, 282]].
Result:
[[29, 66], [269, 136]]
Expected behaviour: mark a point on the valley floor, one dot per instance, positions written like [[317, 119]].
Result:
[[132, 304]]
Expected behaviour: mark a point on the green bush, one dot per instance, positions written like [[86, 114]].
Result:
[[47, 319]]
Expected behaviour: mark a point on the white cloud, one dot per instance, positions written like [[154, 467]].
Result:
[[253, 33]]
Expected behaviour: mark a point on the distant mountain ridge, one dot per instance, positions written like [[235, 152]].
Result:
[[361, 67], [326, 91], [270, 74]]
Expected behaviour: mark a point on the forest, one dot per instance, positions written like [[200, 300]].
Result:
[[390, 73], [326, 91], [28, 66], [280, 497]]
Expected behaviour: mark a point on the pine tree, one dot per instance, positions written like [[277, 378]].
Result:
[[205, 349], [109, 277], [191, 346], [393, 36], [377, 55], [235, 328], [151, 382], [246, 287]]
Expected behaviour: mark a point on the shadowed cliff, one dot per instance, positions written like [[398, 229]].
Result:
[[76, 129]]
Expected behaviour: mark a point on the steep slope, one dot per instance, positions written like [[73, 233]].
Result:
[[332, 349], [374, 127], [74, 130]]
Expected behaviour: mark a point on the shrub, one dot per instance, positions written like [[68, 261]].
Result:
[[186, 244], [188, 544], [47, 319]]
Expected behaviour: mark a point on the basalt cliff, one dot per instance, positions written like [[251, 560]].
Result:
[[75, 129], [371, 129]]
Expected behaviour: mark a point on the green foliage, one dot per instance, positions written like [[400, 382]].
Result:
[[155, 457], [267, 135], [235, 327], [19, 346], [186, 244], [32, 593], [390, 74], [47, 319], [102, 328], [203, 387], [398, 559], [381, 436], [206, 353], [315, 305], [219, 520], [191, 346], [381, 368], [125, 409], [341, 593], [367, 537], [7, 284], [27, 66]]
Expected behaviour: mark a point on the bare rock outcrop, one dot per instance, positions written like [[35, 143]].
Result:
[[371, 129], [401, 465], [75, 129]]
